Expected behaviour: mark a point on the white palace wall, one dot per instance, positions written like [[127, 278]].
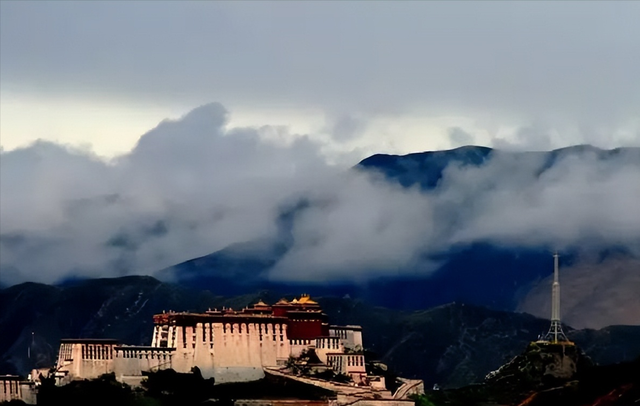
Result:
[[228, 352], [328, 345], [350, 336], [227, 347], [299, 345], [348, 364], [12, 388], [130, 361], [85, 359]]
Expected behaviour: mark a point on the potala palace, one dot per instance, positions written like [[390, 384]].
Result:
[[235, 346]]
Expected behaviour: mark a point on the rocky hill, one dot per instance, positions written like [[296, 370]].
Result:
[[453, 344], [548, 375]]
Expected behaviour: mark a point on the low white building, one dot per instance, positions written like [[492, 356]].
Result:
[[12, 387]]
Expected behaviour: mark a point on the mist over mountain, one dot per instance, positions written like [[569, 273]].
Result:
[[235, 208]]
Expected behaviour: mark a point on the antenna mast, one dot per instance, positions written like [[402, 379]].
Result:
[[555, 333]]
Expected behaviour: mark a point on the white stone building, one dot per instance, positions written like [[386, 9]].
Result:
[[228, 345]]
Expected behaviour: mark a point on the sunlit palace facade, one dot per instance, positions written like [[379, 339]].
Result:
[[229, 345]]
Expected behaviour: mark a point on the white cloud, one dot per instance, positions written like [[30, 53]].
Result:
[[358, 227], [196, 185], [188, 188], [580, 200]]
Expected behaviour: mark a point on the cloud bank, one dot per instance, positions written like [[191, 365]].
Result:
[[193, 186]]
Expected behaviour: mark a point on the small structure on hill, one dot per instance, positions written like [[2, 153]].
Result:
[[555, 334], [550, 361]]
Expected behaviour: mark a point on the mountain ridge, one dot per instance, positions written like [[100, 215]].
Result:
[[404, 168]]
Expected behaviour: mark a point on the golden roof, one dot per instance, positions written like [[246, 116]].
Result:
[[306, 299], [283, 301], [260, 304]]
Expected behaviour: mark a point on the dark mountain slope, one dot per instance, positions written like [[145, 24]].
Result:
[[426, 168], [237, 269]]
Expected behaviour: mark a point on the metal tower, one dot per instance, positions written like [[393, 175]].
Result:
[[555, 333]]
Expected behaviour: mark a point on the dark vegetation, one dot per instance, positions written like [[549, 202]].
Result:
[[103, 391], [309, 365], [173, 388], [169, 388]]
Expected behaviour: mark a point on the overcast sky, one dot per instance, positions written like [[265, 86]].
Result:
[[217, 117], [357, 77]]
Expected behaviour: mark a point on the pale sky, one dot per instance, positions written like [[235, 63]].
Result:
[[359, 77]]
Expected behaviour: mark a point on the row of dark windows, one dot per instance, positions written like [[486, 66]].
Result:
[[340, 333], [92, 351], [276, 331], [65, 352], [300, 342], [145, 354], [352, 360], [328, 343], [10, 387]]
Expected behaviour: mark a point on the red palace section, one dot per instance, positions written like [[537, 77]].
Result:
[[304, 317]]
